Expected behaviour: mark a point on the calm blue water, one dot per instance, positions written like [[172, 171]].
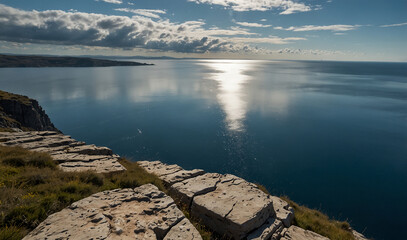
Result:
[[330, 135]]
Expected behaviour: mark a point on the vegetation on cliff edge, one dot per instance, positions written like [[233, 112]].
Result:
[[15, 97], [32, 188], [316, 221]]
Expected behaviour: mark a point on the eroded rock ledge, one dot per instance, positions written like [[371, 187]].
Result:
[[71, 155], [228, 204], [225, 203], [140, 213]]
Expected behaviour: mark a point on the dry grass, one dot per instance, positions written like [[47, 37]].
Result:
[[10, 96], [320, 223], [32, 188]]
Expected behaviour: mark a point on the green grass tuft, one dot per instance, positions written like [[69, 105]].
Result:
[[11, 233]]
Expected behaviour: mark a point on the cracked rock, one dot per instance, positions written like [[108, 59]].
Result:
[[118, 214], [71, 155], [283, 211]]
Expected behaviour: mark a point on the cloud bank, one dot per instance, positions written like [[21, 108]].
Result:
[[98, 30]]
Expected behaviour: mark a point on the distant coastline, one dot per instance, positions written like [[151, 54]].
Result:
[[13, 61]]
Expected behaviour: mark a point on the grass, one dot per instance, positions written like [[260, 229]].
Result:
[[316, 221], [10, 96], [32, 188], [5, 129]]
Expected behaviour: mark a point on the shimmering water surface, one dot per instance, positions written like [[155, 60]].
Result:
[[331, 135]]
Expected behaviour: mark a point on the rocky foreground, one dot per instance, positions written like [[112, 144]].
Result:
[[227, 204], [140, 213]]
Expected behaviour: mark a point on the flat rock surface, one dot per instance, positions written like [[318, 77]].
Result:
[[225, 203], [235, 208], [140, 213], [184, 191], [296, 233], [71, 155], [170, 174]]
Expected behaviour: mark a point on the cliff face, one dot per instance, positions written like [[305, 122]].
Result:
[[21, 112]]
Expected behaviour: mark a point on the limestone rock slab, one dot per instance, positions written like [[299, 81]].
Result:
[[158, 168], [169, 174], [235, 208], [182, 175], [90, 150], [271, 227], [183, 230], [283, 211], [71, 155], [140, 213], [296, 233], [184, 191]]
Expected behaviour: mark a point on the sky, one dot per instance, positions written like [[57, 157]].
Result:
[[352, 30]]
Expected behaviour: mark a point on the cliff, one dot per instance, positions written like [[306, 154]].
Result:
[[228, 206], [68, 178], [17, 111]]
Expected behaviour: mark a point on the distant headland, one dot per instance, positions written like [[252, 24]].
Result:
[[12, 61]]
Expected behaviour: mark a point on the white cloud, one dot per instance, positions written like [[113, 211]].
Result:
[[111, 1], [395, 25], [288, 6], [233, 31], [263, 20], [247, 24], [67, 28], [151, 13], [334, 28], [289, 51], [268, 40]]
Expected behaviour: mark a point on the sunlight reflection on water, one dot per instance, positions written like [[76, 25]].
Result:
[[231, 77]]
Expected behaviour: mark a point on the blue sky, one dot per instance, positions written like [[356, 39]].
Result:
[[373, 30]]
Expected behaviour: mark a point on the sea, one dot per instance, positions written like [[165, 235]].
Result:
[[329, 135]]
